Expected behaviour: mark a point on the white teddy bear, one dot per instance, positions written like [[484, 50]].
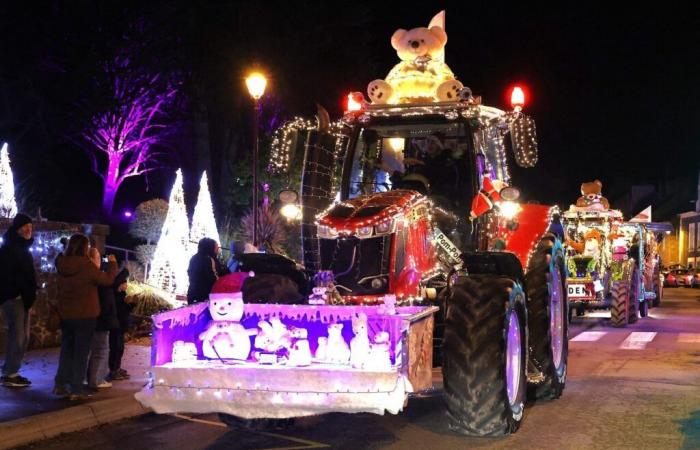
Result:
[[225, 337], [273, 336], [422, 75]]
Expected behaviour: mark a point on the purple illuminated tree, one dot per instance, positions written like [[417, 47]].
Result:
[[126, 136]]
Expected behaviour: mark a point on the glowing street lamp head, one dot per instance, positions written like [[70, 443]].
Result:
[[256, 83]]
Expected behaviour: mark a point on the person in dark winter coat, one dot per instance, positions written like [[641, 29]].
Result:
[[203, 271], [116, 336], [106, 321], [17, 295]]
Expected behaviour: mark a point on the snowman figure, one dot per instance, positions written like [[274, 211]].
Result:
[[379, 358], [225, 337], [299, 351]]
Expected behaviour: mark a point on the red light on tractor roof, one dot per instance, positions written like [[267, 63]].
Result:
[[355, 101], [517, 98]]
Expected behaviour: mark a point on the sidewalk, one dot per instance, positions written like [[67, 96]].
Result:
[[29, 414]]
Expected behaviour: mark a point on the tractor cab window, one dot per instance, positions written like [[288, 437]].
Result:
[[430, 159]]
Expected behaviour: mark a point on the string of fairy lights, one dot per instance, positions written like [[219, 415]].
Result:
[[285, 139]]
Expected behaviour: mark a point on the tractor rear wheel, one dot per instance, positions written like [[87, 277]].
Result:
[[547, 319], [618, 308], [659, 291], [484, 354], [633, 293]]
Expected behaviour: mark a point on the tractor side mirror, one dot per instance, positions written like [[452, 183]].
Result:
[[523, 136], [510, 193]]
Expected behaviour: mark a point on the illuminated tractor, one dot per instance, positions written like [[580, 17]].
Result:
[[415, 201], [407, 209], [612, 265]]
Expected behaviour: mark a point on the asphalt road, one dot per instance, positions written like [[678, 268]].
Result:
[[632, 388]]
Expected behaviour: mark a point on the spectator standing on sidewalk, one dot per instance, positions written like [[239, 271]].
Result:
[[106, 321], [17, 295], [116, 336], [78, 306]]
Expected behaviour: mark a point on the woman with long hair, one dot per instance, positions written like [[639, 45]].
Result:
[[78, 307]]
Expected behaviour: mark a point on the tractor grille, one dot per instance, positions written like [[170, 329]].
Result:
[[355, 263]]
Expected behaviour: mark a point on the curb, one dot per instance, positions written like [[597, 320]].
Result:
[[48, 425]]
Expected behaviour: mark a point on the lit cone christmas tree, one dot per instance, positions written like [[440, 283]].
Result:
[[8, 205], [169, 266], [203, 221]]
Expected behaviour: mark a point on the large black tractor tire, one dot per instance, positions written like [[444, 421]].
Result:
[[618, 308], [644, 308], [659, 291], [548, 334], [477, 316], [634, 303], [439, 328], [255, 424]]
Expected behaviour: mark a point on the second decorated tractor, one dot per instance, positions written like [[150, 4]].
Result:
[[612, 264]]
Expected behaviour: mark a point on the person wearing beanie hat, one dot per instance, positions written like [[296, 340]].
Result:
[[17, 295]]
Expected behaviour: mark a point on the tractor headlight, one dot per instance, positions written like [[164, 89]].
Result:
[[508, 210], [364, 232], [386, 227], [326, 232]]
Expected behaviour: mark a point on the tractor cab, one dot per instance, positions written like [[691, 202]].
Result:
[[413, 183]]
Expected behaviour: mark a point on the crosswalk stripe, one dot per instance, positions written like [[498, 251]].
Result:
[[687, 338], [638, 340], [589, 336]]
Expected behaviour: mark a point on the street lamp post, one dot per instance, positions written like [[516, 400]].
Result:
[[256, 87]]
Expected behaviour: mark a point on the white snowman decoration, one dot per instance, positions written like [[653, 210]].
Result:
[[225, 337]]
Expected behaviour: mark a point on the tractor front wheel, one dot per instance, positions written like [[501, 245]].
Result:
[[484, 352]]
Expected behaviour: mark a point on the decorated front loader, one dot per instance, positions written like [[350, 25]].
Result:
[[612, 264], [408, 209]]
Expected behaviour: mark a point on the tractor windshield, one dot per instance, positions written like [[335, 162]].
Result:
[[432, 159]]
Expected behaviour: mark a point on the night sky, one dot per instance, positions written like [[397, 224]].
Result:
[[614, 91]]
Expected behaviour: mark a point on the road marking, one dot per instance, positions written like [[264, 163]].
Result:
[[307, 444], [687, 338], [589, 336], [638, 340]]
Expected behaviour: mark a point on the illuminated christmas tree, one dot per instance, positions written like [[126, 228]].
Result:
[[203, 221], [8, 205], [169, 267]]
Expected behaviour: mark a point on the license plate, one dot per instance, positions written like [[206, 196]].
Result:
[[577, 291]]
